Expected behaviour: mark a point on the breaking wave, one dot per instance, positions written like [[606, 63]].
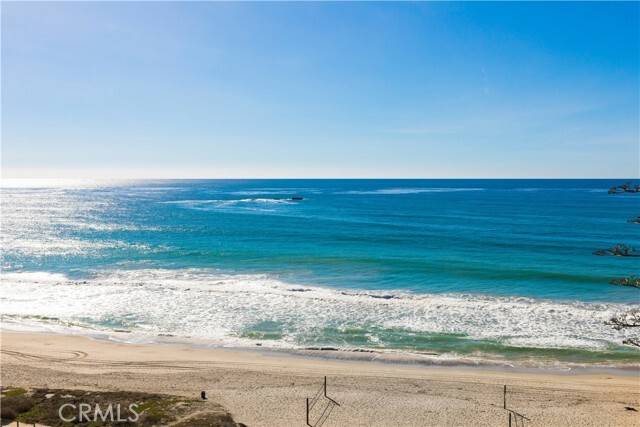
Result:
[[245, 310]]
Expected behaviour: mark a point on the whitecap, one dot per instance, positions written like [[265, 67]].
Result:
[[215, 307]]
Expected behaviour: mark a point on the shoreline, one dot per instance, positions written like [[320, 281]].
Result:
[[262, 388], [347, 354]]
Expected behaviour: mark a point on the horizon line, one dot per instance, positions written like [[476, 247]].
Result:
[[310, 178]]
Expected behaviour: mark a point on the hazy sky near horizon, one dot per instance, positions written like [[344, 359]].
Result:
[[194, 90]]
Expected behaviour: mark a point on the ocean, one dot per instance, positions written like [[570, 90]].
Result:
[[451, 272]]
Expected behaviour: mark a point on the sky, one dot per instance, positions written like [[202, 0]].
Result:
[[342, 90]]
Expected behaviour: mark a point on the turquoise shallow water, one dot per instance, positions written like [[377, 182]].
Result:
[[450, 269]]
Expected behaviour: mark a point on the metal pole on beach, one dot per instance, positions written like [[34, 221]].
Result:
[[504, 397]]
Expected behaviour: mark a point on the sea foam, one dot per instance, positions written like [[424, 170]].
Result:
[[242, 309]]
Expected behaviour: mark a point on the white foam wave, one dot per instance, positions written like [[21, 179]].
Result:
[[389, 191], [226, 202], [205, 305], [237, 205], [262, 192]]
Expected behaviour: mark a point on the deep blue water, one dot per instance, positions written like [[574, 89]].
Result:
[[500, 240]]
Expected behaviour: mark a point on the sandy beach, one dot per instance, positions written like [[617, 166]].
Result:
[[262, 389], [320, 213]]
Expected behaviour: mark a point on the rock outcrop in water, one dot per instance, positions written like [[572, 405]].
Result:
[[635, 220], [620, 250], [625, 188], [631, 281], [630, 319]]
